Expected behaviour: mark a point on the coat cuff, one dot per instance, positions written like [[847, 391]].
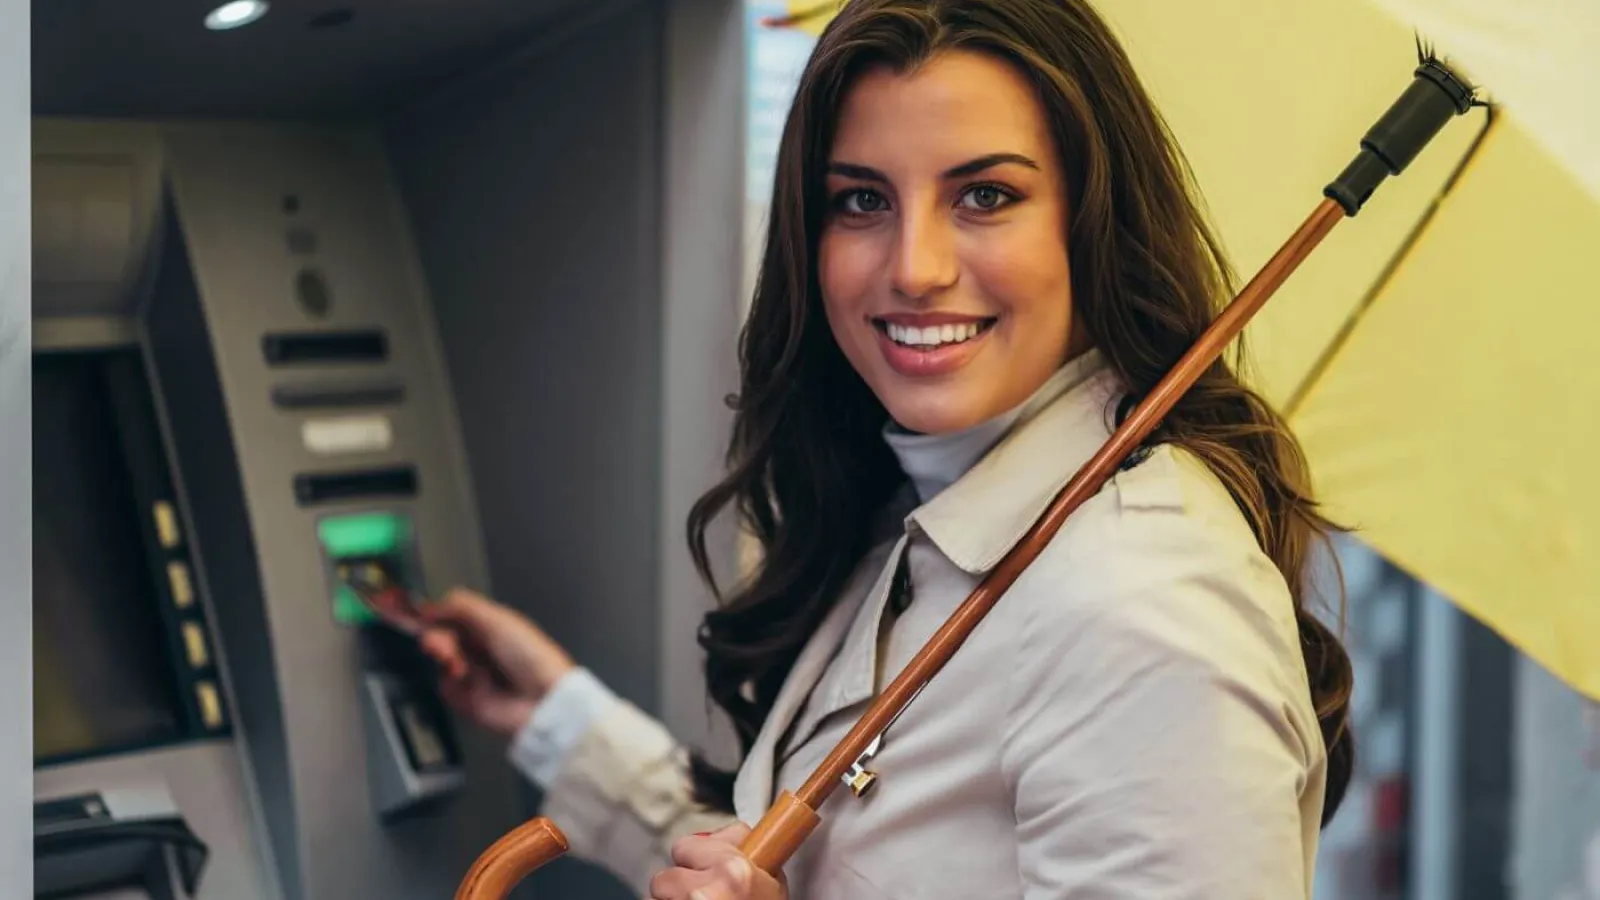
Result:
[[544, 745]]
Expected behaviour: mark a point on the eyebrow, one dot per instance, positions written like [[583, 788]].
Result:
[[966, 169]]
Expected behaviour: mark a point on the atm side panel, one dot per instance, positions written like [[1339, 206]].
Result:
[[338, 407]]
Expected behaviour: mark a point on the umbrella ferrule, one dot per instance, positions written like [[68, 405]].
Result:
[[1434, 97]]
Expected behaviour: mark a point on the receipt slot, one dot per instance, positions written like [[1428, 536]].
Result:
[[413, 758]]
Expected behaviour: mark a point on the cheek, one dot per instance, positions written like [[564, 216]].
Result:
[[1025, 273], [844, 273]]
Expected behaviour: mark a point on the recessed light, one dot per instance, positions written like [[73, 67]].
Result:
[[235, 14]]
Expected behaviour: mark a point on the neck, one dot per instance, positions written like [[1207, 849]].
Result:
[[933, 462]]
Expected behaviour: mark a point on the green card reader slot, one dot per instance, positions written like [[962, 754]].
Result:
[[368, 551]]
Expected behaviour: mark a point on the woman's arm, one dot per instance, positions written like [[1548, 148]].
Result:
[[615, 781], [1159, 736]]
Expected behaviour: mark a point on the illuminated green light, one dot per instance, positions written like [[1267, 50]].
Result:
[[363, 534]]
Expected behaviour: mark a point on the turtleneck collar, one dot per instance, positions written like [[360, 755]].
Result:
[[933, 462]]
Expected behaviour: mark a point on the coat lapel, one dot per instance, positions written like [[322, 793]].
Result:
[[852, 674], [753, 787]]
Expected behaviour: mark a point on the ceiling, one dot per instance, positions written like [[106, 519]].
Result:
[[304, 59]]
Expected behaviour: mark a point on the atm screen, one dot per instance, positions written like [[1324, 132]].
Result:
[[103, 676]]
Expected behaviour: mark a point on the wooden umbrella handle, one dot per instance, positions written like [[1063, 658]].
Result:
[[519, 853]]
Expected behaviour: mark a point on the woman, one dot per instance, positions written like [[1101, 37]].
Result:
[[982, 248]]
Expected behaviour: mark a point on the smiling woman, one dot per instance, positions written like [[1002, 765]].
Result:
[[982, 246]]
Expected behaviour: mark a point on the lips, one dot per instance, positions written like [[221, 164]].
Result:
[[930, 344]]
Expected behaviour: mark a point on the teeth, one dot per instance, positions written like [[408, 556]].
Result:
[[934, 335]]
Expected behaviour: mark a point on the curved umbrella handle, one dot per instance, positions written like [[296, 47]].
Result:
[[519, 853]]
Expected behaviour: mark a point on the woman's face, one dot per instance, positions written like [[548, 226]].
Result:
[[943, 263]]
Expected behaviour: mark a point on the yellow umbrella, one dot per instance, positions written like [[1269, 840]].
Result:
[[1454, 440], [1452, 435]]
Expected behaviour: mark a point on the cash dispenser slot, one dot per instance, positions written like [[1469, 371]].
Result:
[[314, 347], [413, 756], [314, 488], [338, 394]]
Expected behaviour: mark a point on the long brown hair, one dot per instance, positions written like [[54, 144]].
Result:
[[807, 465]]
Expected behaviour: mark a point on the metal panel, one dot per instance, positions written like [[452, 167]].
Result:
[[238, 191]]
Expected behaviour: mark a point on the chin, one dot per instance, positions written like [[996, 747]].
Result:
[[936, 414]]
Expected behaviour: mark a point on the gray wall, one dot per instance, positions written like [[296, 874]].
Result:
[[536, 219], [577, 212], [702, 260], [16, 485]]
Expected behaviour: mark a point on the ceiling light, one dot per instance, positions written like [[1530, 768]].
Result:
[[235, 14]]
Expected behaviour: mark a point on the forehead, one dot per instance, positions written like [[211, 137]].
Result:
[[959, 104]]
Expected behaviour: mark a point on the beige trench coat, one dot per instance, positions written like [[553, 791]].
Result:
[[1132, 720]]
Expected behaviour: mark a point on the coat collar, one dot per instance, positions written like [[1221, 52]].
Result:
[[979, 518]]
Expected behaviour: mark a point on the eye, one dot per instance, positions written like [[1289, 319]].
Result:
[[986, 197], [860, 202]]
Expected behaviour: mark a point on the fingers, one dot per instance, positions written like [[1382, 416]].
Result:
[[710, 867], [478, 698], [731, 879], [674, 884], [702, 851], [460, 607], [732, 834], [734, 880], [442, 646]]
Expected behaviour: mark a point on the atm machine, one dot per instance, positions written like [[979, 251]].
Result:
[[416, 293], [240, 410]]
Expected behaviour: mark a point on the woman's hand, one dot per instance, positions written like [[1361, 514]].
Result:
[[710, 867], [497, 665]]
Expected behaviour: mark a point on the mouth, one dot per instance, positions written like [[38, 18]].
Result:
[[932, 336]]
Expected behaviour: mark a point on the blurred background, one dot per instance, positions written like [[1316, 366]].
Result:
[[451, 290]]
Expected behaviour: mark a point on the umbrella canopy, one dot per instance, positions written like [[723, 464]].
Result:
[[1432, 355]]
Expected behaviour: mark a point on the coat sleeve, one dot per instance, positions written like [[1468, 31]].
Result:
[[1159, 739], [615, 781]]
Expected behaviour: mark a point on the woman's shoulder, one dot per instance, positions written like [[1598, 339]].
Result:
[[1162, 558], [1151, 652], [1169, 487], [1164, 503]]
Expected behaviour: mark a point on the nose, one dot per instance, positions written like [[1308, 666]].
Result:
[[925, 255]]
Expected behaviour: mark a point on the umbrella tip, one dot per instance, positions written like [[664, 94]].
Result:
[[1436, 95], [1449, 77]]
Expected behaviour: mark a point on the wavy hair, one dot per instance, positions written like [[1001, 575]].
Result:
[[807, 465]]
